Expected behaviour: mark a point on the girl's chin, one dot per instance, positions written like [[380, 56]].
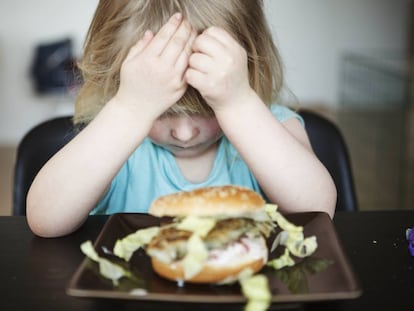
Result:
[[190, 151], [186, 153]]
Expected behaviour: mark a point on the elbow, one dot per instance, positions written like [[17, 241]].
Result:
[[36, 214], [42, 221], [39, 226], [39, 229], [45, 227], [326, 194], [39, 223], [330, 200], [323, 198], [33, 216]]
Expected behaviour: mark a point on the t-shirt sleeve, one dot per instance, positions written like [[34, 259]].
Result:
[[115, 198], [283, 113]]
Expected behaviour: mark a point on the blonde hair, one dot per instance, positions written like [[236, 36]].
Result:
[[118, 24]]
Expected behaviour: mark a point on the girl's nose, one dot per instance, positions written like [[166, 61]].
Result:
[[184, 129]]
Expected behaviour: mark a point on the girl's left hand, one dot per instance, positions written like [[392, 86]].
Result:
[[218, 68]]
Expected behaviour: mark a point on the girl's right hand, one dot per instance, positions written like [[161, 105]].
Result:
[[152, 74]]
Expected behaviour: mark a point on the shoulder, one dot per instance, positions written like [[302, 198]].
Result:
[[283, 113]]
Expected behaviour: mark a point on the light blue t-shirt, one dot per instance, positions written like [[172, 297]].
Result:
[[151, 171]]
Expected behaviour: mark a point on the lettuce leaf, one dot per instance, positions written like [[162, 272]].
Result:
[[126, 247], [106, 268], [256, 290]]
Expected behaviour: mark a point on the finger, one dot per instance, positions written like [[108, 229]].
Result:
[[140, 45], [219, 34], [178, 42], [183, 58], [189, 46], [195, 78], [164, 35], [200, 62], [207, 44]]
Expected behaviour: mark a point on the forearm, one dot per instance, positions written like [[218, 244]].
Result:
[[151, 81], [71, 183], [284, 164]]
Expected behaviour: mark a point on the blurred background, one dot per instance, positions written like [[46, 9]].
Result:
[[350, 60]]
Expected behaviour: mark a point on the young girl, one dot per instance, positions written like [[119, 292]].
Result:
[[177, 94]]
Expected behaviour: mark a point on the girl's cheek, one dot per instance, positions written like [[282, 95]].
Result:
[[157, 131]]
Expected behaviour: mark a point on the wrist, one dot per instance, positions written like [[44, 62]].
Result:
[[242, 101], [129, 114]]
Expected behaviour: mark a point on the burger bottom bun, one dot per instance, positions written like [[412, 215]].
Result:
[[209, 273]]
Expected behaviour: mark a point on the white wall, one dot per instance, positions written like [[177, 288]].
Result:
[[311, 35], [23, 25]]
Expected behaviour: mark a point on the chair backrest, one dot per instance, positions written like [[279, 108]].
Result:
[[33, 151], [330, 147]]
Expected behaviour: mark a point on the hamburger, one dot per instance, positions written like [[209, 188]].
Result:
[[216, 235], [209, 235]]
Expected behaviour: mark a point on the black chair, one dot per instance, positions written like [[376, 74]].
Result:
[[44, 140], [33, 151], [330, 147]]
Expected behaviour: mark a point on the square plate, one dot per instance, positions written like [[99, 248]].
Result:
[[325, 275]]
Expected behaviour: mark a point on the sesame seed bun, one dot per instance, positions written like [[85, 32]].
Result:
[[208, 201]]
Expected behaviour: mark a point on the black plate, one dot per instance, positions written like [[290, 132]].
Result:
[[325, 275]]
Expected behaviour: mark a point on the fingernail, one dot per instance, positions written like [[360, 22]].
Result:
[[147, 33], [178, 16]]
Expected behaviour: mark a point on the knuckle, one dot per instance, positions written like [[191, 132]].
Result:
[[211, 29], [229, 61], [176, 81]]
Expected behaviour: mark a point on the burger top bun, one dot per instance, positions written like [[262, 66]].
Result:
[[228, 200]]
